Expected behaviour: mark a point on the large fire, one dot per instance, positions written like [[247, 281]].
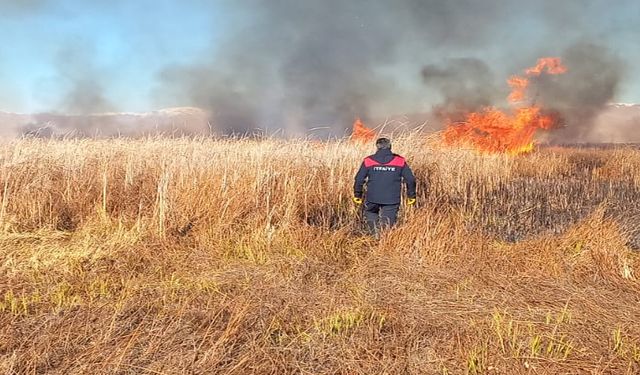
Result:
[[361, 133], [494, 131]]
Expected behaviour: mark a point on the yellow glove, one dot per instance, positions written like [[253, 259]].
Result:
[[411, 201], [357, 200]]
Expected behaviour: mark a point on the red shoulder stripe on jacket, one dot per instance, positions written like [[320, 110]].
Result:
[[368, 162], [397, 161]]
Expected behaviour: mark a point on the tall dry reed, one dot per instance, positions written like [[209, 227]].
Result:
[[171, 256]]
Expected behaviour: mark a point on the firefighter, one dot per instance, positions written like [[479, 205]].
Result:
[[383, 172]]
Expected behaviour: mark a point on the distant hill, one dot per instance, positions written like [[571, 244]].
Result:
[[618, 123], [170, 121]]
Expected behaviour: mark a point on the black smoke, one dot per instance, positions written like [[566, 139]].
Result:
[[299, 66], [302, 65], [466, 85], [310, 67], [83, 81], [583, 92]]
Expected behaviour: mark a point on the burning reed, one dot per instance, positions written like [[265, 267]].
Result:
[[494, 131]]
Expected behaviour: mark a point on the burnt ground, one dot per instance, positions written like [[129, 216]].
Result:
[[551, 206], [528, 206]]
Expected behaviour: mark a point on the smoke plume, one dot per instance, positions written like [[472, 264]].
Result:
[[310, 67], [303, 65], [590, 83], [466, 84], [83, 81]]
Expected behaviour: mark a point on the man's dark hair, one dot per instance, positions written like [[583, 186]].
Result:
[[383, 144]]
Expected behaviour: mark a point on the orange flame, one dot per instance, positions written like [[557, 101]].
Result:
[[495, 131], [552, 65], [518, 88], [361, 133]]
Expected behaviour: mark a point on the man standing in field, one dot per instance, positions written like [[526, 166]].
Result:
[[383, 172]]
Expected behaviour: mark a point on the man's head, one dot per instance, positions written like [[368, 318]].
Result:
[[383, 144]]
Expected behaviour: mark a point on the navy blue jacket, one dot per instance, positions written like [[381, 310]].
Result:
[[383, 172]]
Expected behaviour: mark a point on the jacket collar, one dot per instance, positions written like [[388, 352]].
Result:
[[384, 152]]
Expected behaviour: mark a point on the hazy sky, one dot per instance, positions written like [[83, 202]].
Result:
[[113, 55], [122, 44]]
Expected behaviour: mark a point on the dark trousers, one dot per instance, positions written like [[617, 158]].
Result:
[[380, 216]]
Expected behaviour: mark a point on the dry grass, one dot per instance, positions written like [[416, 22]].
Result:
[[244, 256]]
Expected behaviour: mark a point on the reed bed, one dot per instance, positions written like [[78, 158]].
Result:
[[236, 256]]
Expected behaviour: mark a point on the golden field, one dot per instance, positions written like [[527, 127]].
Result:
[[238, 256]]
